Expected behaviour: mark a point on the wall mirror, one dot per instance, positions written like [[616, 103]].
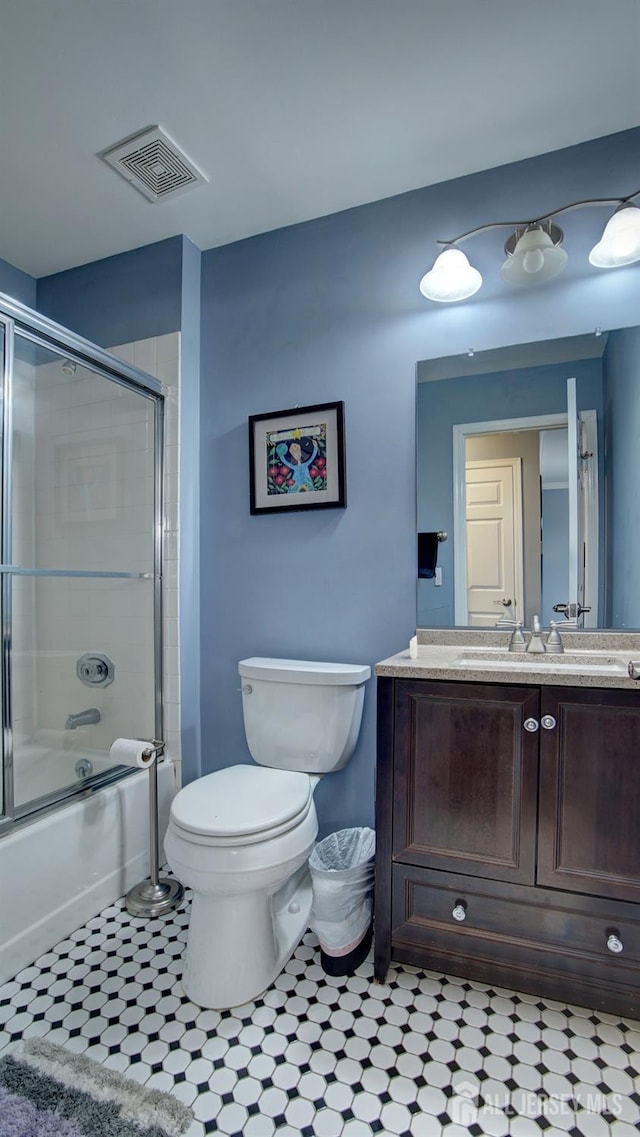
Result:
[[526, 458]]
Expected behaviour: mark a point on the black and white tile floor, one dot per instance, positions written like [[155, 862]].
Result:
[[422, 1056]]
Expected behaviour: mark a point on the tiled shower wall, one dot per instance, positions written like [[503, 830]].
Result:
[[83, 478], [160, 356]]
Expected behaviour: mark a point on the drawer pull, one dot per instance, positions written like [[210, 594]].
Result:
[[614, 943], [548, 722], [531, 725], [459, 911]]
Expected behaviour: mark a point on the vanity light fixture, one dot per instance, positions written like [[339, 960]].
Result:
[[533, 255], [620, 242], [533, 251], [451, 278]]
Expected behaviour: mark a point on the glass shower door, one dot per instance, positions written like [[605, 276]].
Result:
[[84, 567], [6, 778]]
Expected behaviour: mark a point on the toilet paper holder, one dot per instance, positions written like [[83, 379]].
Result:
[[155, 748], [155, 896]]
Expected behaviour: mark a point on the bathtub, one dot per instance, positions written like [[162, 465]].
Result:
[[59, 870], [48, 764]]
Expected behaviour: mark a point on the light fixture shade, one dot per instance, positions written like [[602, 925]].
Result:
[[535, 259], [451, 278], [620, 242]]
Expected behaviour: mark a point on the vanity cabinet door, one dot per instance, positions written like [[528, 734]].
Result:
[[589, 828], [465, 778]]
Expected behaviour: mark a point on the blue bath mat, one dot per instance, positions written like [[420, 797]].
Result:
[[47, 1091]]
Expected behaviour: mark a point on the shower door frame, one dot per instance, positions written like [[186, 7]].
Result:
[[42, 332]]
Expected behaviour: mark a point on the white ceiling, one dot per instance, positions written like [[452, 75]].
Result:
[[292, 108]]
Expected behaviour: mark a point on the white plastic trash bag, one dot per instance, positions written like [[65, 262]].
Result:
[[342, 878]]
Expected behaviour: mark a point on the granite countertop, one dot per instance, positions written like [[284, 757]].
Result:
[[590, 659]]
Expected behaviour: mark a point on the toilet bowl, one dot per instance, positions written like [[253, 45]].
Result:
[[240, 838]]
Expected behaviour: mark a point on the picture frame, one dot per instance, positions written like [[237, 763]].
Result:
[[297, 459]]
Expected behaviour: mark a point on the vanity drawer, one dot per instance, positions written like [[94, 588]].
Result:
[[507, 933]]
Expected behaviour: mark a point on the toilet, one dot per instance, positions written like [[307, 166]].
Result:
[[240, 838]]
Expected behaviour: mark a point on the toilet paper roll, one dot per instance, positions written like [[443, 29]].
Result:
[[131, 752]]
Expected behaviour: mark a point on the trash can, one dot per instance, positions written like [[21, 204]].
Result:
[[342, 906]]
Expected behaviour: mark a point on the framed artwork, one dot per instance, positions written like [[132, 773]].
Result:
[[297, 459]]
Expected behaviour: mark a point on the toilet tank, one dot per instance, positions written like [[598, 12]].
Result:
[[300, 715]]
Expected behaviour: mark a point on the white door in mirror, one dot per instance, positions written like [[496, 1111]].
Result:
[[494, 538]]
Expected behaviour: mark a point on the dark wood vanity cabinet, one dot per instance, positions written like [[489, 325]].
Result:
[[508, 836]]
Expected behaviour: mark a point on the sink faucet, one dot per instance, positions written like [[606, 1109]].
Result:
[[554, 643], [82, 718], [517, 641], [535, 644]]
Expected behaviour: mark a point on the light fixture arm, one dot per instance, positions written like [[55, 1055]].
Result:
[[533, 250], [538, 220]]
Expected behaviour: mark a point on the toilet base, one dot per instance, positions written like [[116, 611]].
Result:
[[237, 945]]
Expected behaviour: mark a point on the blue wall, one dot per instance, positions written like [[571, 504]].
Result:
[[480, 398], [331, 310], [622, 395], [132, 296], [19, 285], [190, 669]]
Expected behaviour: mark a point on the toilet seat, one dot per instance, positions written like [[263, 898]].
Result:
[[241, 805]]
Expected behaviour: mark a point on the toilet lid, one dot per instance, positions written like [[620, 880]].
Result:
[[242, 800]]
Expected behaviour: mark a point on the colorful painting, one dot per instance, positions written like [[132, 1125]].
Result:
[[297, 458]]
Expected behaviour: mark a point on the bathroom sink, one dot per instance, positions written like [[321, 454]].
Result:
[[579, 663]]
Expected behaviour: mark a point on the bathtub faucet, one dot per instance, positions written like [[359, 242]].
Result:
[[83, 718]]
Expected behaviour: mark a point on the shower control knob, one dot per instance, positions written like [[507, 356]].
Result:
[[95, 670]]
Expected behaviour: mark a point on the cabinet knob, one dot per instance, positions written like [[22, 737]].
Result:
[[548, 722], [614, 943], [459, 911], [531, 725]]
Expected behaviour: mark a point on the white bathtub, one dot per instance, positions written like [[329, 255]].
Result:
[[58, 871], [48, 764]]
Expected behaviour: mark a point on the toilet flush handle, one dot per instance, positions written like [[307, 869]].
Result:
[[246, 689]]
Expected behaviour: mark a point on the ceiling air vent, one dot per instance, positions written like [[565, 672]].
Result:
[[152, 163]]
